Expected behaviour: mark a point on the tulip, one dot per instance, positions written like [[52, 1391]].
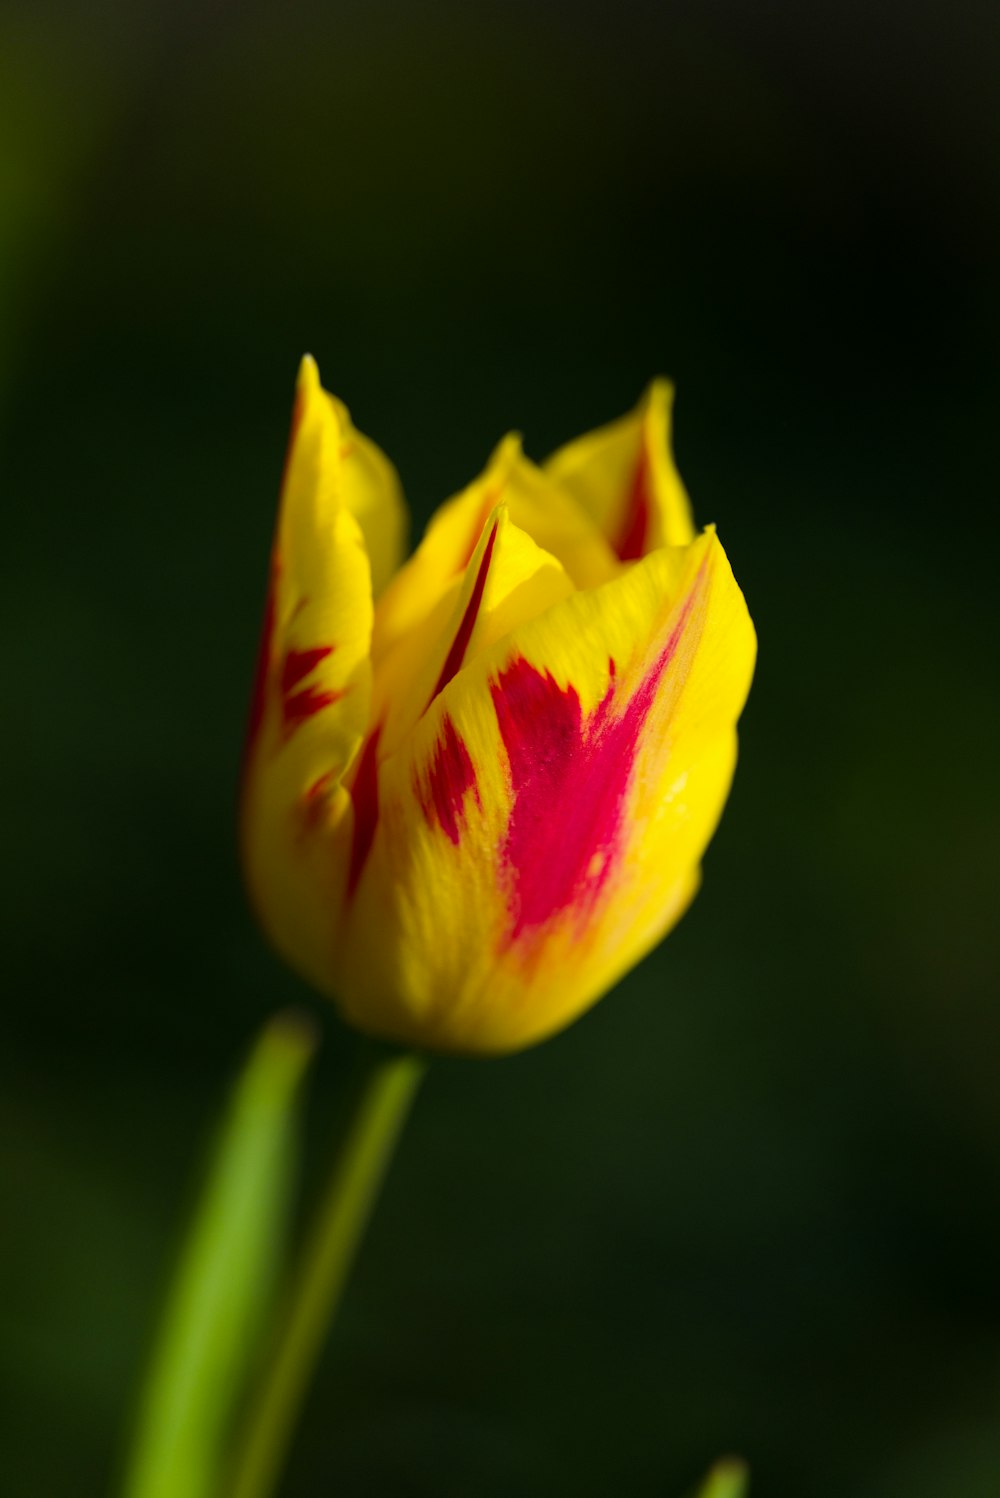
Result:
[[479, 783]]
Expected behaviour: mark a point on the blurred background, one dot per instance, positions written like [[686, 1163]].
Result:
[[750, 1203]]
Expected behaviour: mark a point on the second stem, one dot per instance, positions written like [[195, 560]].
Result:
[[382, 1102]]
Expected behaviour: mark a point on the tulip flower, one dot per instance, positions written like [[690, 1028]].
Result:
[[479, 783]]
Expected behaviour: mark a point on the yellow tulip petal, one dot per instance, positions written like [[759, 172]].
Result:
[[537, 507], [331, 466], [543, 824], [312, 694], [553, 519], [623, 476]]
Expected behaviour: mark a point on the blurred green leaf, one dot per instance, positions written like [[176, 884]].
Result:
[[219, 1299], [727, 1479]]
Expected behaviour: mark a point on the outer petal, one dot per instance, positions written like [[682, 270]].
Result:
[[543, 825], [332, 466], [536, 506], [312, 694], [623, 476]]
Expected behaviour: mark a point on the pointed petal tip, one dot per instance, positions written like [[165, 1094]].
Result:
[[308, 376], [508, 452], [658, 397], [311, 395]]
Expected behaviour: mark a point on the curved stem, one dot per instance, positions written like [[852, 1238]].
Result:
[[387, 1086]]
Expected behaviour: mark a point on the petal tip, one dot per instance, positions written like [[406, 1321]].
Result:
[[660, 392], [655, 413], [508, 453], [308, 377]]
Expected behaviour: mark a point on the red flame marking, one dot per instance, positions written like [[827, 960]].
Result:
[[570, 776], [364, 794], [450, 776], [460, 644], [638, 514], [314, 800], [302, 706], [299, 664], [298, 706]]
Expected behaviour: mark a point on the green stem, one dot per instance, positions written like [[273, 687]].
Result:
[[388, 1083]]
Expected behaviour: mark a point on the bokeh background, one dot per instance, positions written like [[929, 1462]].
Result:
[[752, 1201]]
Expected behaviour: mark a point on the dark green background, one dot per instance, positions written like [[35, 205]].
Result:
[[751, 1202]]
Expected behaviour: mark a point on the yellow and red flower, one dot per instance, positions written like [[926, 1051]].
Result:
[[479, 783]]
